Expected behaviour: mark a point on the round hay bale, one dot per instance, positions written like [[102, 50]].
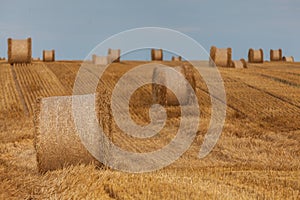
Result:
[[220, 57], [114, 54], [276, 55], [19, 51], [288, 58], [162, 95], [100, 60], [176, 58], [255, 56], [239, 63], [156, 54], [48, 55], [56, 141], [35, 59], [244, 63]]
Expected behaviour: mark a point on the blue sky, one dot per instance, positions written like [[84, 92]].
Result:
[[74, 28]]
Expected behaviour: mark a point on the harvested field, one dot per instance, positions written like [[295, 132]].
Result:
[[256, 157]]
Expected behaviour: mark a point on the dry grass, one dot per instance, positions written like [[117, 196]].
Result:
[[257, 156]]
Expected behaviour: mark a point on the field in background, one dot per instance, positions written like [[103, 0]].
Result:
[[257, 156]]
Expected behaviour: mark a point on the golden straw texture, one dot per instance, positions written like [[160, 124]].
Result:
[[48, 55], [220, 57], [276, 55], [156, 54], [19, 51]]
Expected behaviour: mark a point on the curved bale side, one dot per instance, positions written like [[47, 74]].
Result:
[[176, 58], [49, 55], [114, 55], [156, 54], [276, 55], [162, 95], [19, 51], [220, 57], [100, 60], [255, 56], [239, 63], [288, 59], [56, 141]]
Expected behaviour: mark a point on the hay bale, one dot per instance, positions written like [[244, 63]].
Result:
[[276, 55], [19, 51], [220, 57], [239, 63], [288, 58], [48, 55], [176, 58], [114, 55], [255, 56], [57, 142], [36, 59], [100, 60], [167, 77], [156, 54]]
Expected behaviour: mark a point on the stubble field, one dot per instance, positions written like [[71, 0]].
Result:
[[256, 157]]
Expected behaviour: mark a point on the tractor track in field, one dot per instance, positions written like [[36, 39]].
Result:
[[289, 83], [283, 81], [226, 103], [270, 94], [292, 73], [18, 88]]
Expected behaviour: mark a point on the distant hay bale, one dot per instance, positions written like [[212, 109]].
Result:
[[100, 60], [255, 56], [57, 142], [162, 95], [114, 55], [276, 55], [176, 58], [239, 63], [156, 54], [19, 51], [48, 55], [36, 59], [288, 58], [220, 57]]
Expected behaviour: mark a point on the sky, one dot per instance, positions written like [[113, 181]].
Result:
[[74, 28]]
